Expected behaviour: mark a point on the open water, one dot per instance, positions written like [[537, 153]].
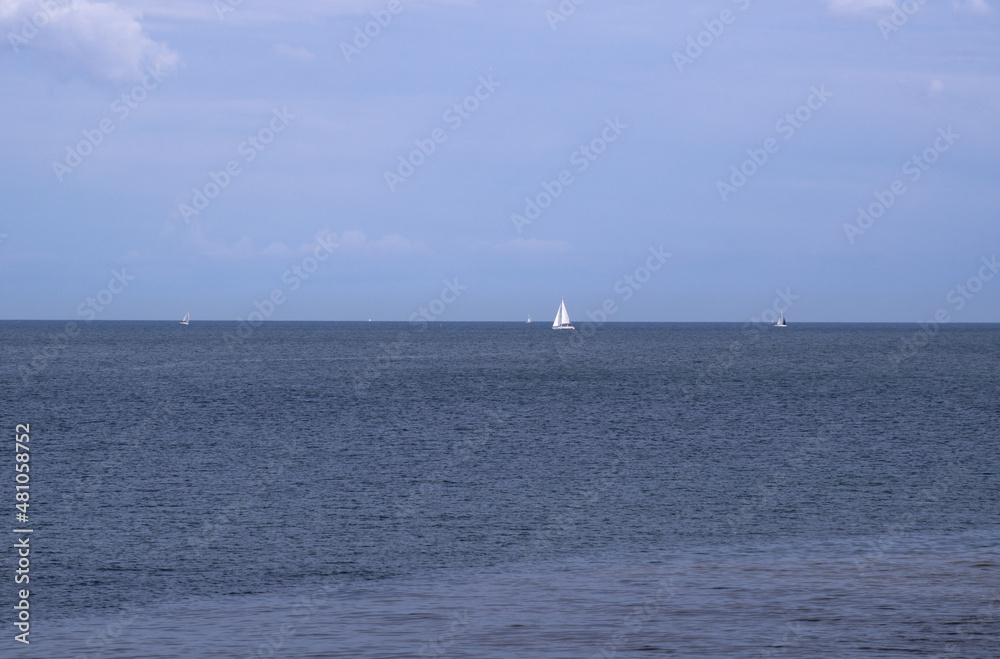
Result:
[[503, 490]]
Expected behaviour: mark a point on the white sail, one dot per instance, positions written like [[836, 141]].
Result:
[[187, 318], [562, 318]]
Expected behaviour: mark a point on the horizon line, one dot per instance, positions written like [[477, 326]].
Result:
[[512, 322]]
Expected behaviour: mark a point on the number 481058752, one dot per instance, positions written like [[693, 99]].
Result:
[[22, 456]]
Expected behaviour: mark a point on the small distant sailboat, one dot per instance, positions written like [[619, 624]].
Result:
[[562, 319], [529, 320], [781, 320], [187, 319]]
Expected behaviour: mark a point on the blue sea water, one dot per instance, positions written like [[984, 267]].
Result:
[[503, 490]]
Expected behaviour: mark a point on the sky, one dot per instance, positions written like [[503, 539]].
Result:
[[484, 159]]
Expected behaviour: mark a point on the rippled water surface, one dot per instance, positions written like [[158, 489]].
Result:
[[503, 490]]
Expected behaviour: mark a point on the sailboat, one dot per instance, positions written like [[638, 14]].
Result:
[[529, 320], [187, 319], [562, 319], [781, 320]]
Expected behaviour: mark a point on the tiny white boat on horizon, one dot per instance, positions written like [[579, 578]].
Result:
[[781, 320], [187, 319], [562, 318]]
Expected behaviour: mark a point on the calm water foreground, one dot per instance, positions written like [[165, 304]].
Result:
[[503, 490]]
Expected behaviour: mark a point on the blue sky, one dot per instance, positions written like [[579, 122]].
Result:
[[537, 96]]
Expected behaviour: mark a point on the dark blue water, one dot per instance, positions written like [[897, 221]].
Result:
[[495, 490]]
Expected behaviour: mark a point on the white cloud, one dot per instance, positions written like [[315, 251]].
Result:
[[269, 11], [978, 7], [355, 241], [532, 246], [349, 242], [863, 7], [135, 256], [276, 249], [97, 40], [299, 54], [854, 7], [241, 249]]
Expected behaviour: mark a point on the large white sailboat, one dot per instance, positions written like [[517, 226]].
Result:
[[781, 320], [187, 318], [562, 319]]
